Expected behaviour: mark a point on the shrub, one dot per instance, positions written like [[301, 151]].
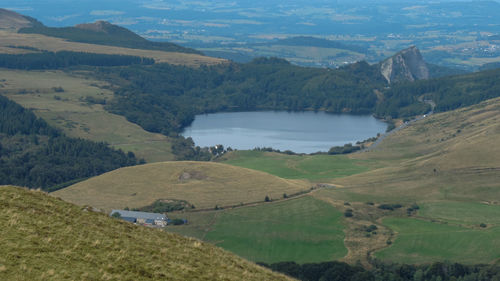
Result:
[[178, 221], [58, 89], [390, 207], [348, 213]]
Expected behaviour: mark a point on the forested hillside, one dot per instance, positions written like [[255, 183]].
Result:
[[61, 59], [447, 92], [165, 98], [36, 155]]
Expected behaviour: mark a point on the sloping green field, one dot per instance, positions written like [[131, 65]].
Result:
[[301, 230], [469, 213], [311, 167], [421, 241]]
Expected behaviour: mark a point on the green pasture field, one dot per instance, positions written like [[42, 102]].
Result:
[[470, 213], [420, 241], [301, 230], [311, 167]]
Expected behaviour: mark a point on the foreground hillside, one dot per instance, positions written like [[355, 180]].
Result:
[[203, 184], [44, 238]]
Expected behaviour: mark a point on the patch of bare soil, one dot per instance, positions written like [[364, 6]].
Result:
[[192, 175]]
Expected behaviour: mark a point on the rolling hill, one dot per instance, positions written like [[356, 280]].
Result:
[[98, 37], [44, 238], [10, 20], [204, 184], [451, 155]]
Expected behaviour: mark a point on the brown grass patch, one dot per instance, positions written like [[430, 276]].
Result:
[[209, 184], [56, 44]]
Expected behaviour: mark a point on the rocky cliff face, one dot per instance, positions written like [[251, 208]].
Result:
[[407, 65]]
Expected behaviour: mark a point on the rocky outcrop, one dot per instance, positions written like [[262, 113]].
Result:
[[407, 65]]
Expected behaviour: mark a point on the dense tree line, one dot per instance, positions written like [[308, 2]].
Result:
[[54, 60], [447, 92], [35, 155], [339, 271], [165, 98], [104, 33], [489, 66], [436, 71]]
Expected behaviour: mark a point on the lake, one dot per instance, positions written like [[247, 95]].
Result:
[[301, 132]]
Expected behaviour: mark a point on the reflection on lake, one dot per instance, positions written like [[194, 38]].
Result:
[[301, 132]]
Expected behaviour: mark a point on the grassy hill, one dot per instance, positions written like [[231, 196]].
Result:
[[54, 44], [310, 167], [72, 110], [100, 37], [203, 184], [448, 164], [447, 156], [44, 238], [13, 21]]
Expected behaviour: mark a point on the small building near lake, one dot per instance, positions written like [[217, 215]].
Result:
[[144, 218]]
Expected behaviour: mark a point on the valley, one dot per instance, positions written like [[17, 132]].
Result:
[[108, 136]]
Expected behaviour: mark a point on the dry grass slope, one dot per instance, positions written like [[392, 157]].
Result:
[[44, 238], [56, 44], [204, 184], [69, 112], [448, 156], [12, 21]]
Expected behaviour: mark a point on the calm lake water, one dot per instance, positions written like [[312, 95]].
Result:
[[302, 132]]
